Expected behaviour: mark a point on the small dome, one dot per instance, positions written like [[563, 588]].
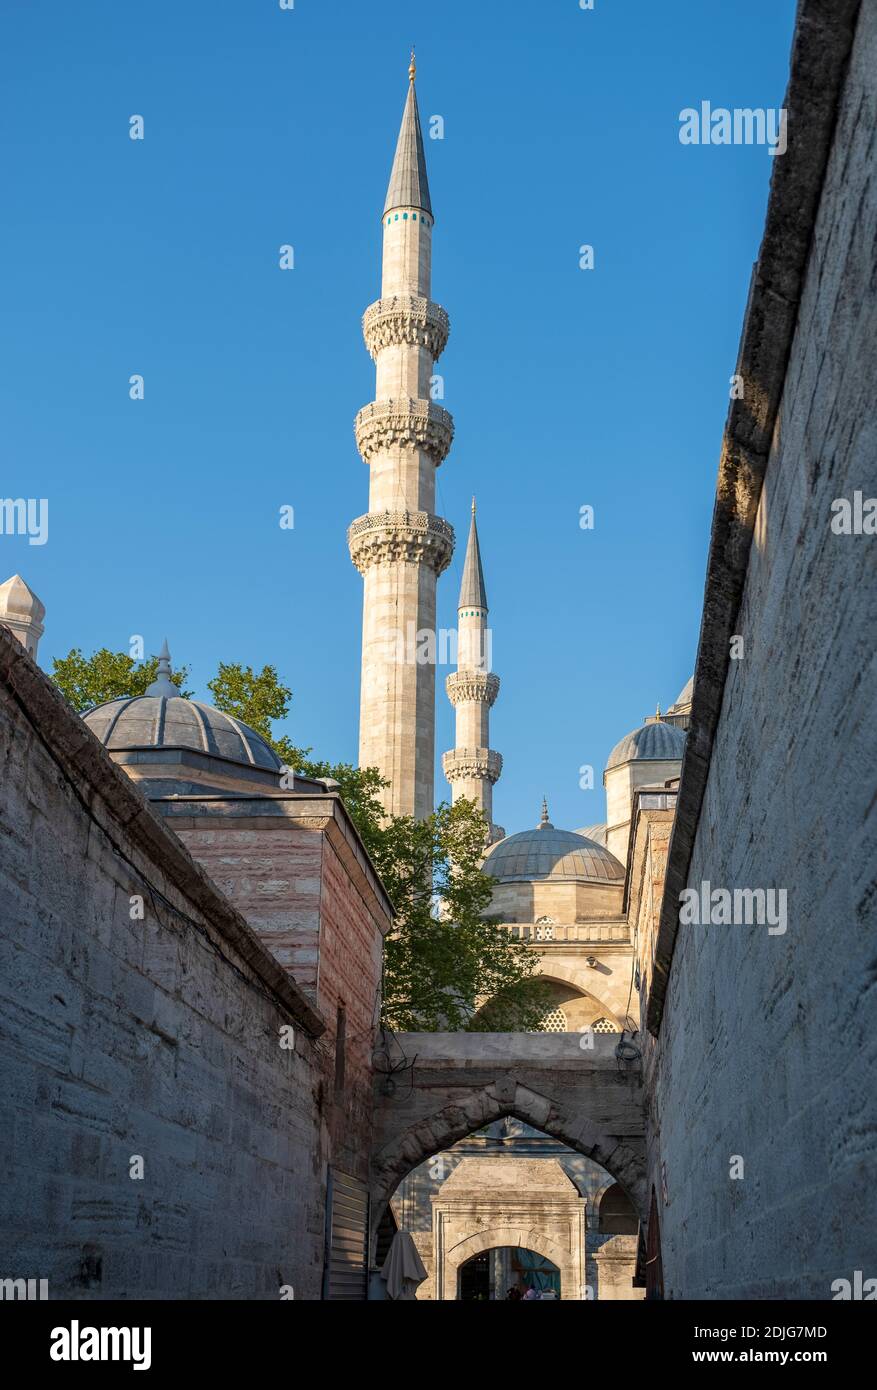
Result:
[[682, 703], [548, 853], [655, 742], [169, 721], [597, 833], [19, 600], [162, 718]]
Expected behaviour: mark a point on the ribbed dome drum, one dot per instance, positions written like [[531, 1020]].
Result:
[[547, 853], [161, 721], [657, 742]]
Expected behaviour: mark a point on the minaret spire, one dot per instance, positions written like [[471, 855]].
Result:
[[472, 767], [409, 185], [400, 546], [163, 684]]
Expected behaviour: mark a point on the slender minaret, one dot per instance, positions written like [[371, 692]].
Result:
[[401, 547], [473, 767]]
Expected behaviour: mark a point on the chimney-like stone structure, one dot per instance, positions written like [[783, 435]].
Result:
[[400, 546], [22, 613], [472, 767]]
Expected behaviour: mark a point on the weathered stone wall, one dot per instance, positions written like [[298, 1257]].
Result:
[[156, 1037], [767, 1044]]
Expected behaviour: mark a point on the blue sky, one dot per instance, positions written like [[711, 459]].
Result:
[[568, 387]]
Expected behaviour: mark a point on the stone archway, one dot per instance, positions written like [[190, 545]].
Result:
[[484, 1206], [510, 1236], [622, 1159]]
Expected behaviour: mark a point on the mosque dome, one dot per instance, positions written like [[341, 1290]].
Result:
[[162, 718], [655, 742], [683, 699], [548, 853], [597, 833]]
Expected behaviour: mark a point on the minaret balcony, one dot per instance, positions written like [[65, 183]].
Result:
[[470, 763], [406, 318], [479, 686], [404, 423], [412, 537]]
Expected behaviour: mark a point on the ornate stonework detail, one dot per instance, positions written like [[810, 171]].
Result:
[[414, 537], [472, 685], [472, 762], [406, 318], [405, 423]]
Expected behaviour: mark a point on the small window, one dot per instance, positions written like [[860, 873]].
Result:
[[617, 1213], [554, 1021], [340, 1042]]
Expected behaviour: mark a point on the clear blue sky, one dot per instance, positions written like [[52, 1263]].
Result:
[[568, 387]]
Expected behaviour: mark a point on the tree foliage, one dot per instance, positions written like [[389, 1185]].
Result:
[[444, 959], [86, 681]]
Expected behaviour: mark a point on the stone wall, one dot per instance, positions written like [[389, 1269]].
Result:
[[122, 1037], [767, 1043]]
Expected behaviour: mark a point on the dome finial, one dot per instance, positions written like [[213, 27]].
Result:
[[658, 715], [412, 67], [163, 684], [545, 823]]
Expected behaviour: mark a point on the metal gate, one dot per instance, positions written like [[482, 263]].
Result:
[[345, 1276]]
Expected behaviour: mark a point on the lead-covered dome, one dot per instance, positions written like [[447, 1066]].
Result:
[[548, 853], [655, 742], [162, 718]]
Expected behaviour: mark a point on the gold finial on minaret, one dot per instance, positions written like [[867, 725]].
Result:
[[412, 67], [473, 506]]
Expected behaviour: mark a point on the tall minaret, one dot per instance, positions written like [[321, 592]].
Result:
[[401, 547], [473, 767]]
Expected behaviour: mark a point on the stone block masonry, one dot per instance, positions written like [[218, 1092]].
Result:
[[157, 1037], [766, 1045]]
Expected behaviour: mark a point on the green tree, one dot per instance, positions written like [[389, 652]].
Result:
[[86, 681], [444, 960], [257, 700], [446, 965]]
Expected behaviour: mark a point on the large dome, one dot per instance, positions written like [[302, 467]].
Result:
[[547, 853], [162, 718], [657, 742]]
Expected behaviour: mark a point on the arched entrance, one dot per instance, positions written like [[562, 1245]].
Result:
[[507, 1272], [622, 1159]]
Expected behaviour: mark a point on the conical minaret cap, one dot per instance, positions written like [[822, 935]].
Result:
[[163, 685], [409, 187], [473, 593]]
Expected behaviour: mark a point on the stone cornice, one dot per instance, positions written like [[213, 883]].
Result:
[[413, 537], [482, 686], [472, 762], [405, 423], [406, 318]]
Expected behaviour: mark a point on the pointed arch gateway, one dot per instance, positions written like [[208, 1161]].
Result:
[[622, 1159]]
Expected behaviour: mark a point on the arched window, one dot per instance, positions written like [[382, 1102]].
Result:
[[603, 1025], [617, 1213]]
